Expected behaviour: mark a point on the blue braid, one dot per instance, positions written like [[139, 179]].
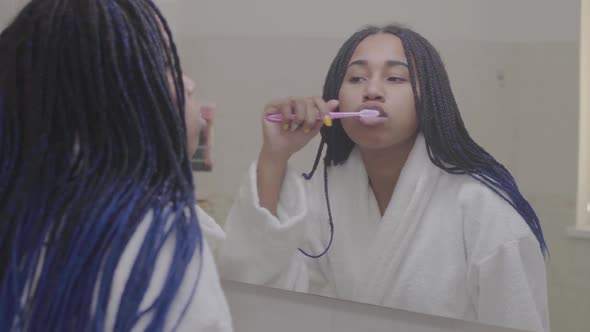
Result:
[[107, 147]]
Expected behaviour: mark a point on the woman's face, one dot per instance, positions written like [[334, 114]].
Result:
[[196, 116], [378, 78]]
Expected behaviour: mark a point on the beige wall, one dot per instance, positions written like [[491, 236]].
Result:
[[243, 53], [584, 132]]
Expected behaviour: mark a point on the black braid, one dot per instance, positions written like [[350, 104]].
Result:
[[449, 145], [90, 143]]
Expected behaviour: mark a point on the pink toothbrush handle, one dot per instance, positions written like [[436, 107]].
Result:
[[279, 117], [333, 115]]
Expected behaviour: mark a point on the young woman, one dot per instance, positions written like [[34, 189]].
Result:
[[410, 212], [99, 229]]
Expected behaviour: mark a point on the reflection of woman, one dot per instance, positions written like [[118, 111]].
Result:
[[99, 229], [424, 219]]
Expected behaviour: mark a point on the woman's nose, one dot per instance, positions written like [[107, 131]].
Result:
[[189, 84]]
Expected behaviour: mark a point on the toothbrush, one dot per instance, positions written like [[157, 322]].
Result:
[[333, 115]]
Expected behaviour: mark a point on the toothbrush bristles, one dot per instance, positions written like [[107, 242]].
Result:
[[369, 113]]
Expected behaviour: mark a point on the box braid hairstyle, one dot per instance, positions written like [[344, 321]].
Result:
[[92, 143], [448, 143]]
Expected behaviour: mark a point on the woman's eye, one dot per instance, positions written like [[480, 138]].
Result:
[[395, 79], [355, 79]]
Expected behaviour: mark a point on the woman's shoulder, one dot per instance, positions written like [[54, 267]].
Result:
[[490, 219], [199, 301]]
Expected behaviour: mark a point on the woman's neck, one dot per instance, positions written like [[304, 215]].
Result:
[[384, 167]]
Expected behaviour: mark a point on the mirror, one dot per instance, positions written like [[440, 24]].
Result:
[[514, 70]]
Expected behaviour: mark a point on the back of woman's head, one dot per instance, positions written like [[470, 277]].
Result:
[[92, 138]]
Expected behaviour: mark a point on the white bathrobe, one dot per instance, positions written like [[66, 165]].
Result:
[[446, 244], [206, 312]]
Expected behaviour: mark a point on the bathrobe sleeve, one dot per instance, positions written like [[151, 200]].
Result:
[[507, 270], [512, 289], [262, 249]]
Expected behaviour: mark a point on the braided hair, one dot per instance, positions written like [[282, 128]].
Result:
[[92, 143], [448, 143]]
